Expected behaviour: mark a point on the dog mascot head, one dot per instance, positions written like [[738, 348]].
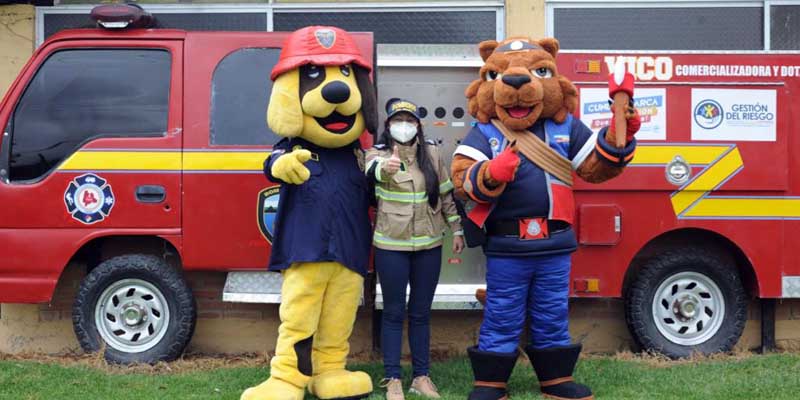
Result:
[[519, 84], [322, 92]]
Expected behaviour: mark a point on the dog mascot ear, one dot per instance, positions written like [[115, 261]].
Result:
[[369, 107], [284, 113]]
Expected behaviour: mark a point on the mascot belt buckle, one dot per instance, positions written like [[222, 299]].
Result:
[[533, 228]]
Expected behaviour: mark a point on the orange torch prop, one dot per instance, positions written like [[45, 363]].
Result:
[[620, 90]]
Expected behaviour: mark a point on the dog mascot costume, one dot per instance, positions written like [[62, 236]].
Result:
[[526, 211], [322, 101]]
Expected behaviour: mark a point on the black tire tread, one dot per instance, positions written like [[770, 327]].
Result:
[[638, 303], [157, 271]]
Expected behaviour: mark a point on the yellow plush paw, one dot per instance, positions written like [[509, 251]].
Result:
[[274, 389], [340, 384], [289, 167]]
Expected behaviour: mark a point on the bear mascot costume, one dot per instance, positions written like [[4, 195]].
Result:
[[321, 102], [516, 166]]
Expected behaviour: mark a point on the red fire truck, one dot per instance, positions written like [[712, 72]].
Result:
[[138, 152]]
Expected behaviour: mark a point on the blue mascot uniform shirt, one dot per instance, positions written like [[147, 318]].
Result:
[[326, 218]]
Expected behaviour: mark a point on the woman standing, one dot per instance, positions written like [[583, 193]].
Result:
[[415, 205]]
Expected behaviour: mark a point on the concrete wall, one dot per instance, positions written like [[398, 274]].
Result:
[[16, 41], [525, 18], [252, 328]]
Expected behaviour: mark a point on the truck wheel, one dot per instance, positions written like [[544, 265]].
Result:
[[685, 302], [137, 307]]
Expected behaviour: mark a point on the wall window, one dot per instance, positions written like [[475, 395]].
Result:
[[80, 95], [674, 25]]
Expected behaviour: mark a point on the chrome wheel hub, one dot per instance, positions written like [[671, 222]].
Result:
[[688, 308], [132, 315]]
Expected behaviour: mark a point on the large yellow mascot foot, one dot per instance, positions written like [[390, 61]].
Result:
[[274, 389], [340, 385]]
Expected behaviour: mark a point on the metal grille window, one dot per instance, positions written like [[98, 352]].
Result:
[[240, 91], [444, 22], [651, 28], [401, 26], [785, 27]]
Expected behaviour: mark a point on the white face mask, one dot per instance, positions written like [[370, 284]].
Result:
[[403, 131]]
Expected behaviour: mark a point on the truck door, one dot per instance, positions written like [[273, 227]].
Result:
[[90, 146], [230, 204]]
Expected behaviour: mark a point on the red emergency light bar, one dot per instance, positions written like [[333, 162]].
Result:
[[120, 16]]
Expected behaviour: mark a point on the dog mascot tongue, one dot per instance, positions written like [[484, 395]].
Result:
[[321, 102], [517, 165]]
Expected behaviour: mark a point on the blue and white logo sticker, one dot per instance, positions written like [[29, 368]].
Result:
[[89, 199]]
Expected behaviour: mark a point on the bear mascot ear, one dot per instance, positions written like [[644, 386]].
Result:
[[486, 48], [369, 101], [550, 45], [284, 112], [568, 90]]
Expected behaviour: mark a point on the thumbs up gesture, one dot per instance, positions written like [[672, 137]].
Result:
[[392, 165]]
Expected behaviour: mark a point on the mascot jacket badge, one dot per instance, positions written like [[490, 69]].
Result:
[[527, 210], [321, 102]]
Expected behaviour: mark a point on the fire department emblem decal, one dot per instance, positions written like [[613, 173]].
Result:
[[267, 210], [89, 199], [325, 37]]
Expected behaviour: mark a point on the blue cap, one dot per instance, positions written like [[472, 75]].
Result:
[[396, 105]]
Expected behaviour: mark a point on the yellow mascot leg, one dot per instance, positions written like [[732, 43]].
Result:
[[331, 346], [302, 295]]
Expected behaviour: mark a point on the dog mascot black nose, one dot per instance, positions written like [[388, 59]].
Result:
[[336, 92]]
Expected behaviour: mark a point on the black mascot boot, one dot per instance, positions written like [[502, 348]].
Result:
[[491, 371], [554, 367]]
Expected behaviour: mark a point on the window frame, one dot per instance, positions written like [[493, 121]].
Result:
[[37, 63], [766, 5]]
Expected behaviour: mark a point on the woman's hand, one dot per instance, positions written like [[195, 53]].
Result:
[[392, 164], [458, 244]]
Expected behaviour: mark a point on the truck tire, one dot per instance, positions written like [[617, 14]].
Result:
[[687, 301], [136, 307]]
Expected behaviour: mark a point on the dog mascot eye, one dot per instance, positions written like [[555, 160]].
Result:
[[542, 72], [492, 75], [345, 70], [312, 71]]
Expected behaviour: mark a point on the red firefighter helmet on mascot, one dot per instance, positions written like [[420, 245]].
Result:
[[318, 45]]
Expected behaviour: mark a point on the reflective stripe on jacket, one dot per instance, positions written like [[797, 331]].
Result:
[[405, 220]]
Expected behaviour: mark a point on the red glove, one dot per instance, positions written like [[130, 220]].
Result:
[[503, 167], [634, 123]]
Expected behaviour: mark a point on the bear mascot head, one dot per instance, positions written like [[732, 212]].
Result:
[[531, 89]]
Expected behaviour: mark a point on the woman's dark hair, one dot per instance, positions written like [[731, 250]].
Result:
[[423, 159]]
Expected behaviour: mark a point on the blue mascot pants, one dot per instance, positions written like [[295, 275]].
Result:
[[536, 285]]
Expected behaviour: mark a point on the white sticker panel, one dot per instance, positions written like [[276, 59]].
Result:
[[734, 115], [651, 103]]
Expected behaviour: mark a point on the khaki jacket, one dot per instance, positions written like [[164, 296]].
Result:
[[405, 220]]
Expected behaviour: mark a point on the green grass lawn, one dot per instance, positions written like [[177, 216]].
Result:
[[774, 376]]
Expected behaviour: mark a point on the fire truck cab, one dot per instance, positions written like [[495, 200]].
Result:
[[139, 153]]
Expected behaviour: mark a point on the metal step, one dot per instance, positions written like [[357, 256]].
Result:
[[253, 287]]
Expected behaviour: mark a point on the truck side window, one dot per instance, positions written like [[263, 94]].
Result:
[[240, 91], [80, 95]]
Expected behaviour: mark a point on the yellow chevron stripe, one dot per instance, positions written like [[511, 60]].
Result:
[[692, 201], [662, 155]]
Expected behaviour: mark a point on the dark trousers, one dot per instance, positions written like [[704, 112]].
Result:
[[396, 270]]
